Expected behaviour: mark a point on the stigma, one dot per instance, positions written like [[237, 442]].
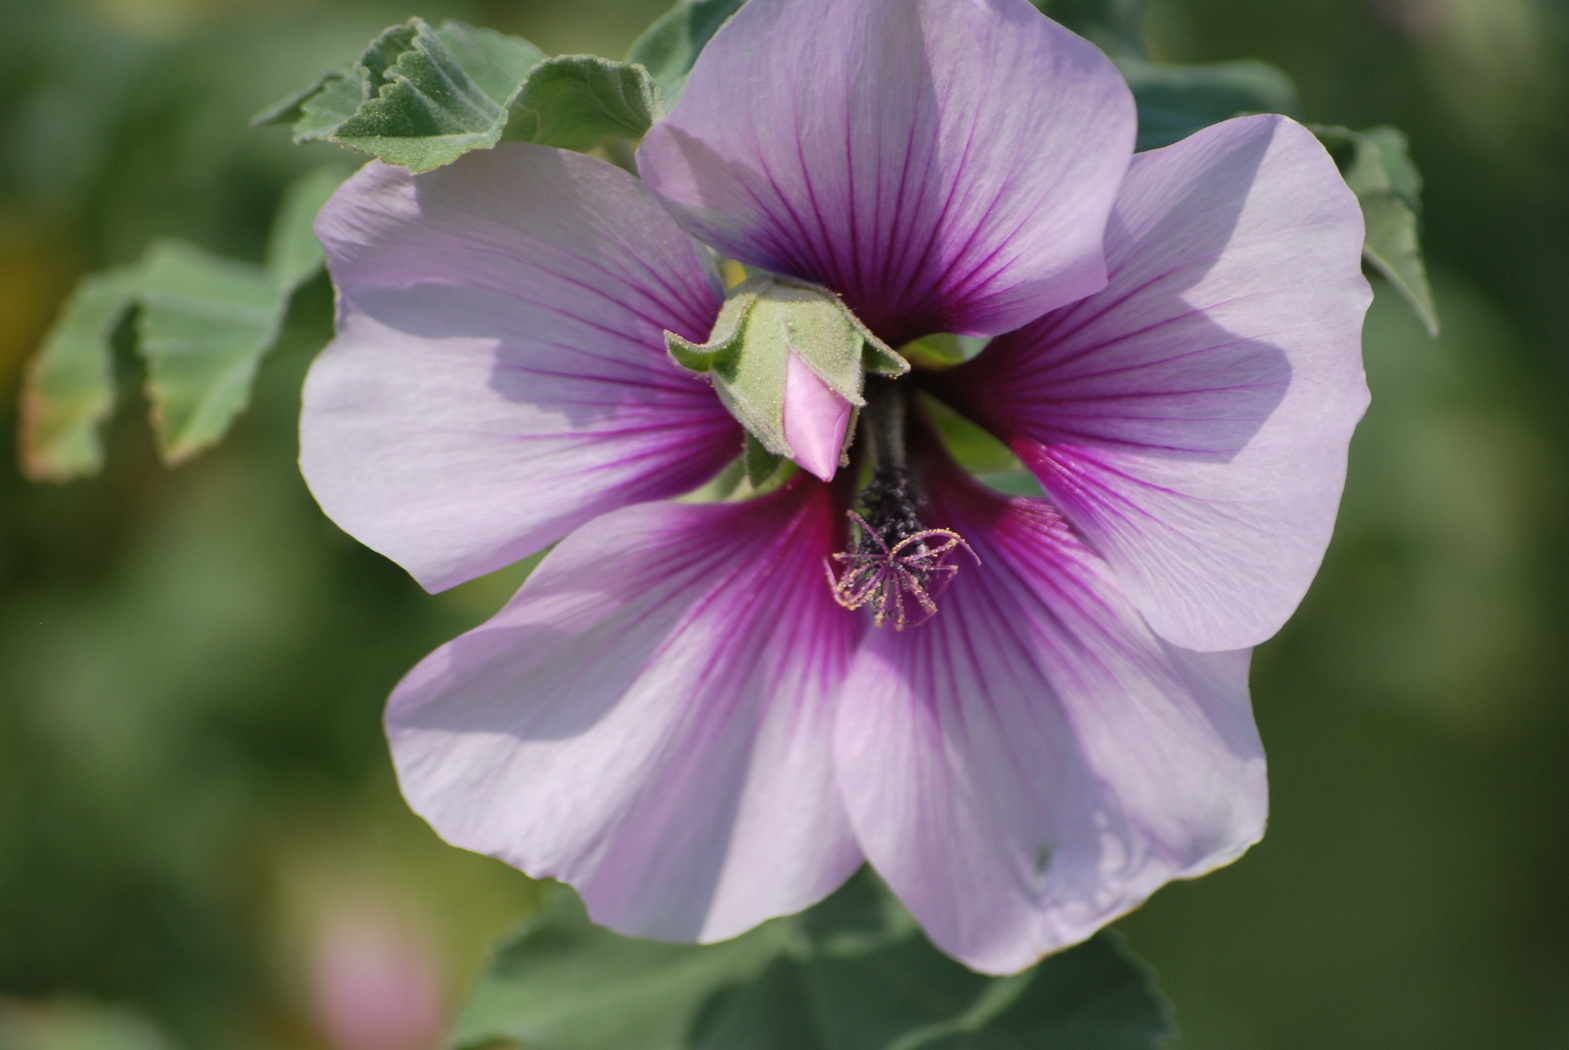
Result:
[[897, 566]]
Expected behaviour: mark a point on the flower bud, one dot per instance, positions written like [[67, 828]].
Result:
[[789, 361]]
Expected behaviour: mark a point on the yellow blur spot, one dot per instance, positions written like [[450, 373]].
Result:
[[733, 273]]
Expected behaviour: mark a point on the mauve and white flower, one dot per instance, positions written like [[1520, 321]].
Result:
[[674, 714]]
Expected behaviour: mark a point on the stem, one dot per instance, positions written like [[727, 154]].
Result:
[[886, 407]]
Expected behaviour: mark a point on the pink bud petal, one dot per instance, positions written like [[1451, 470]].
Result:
[[815, 420]]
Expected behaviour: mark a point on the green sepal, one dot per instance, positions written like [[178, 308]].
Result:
[[203, 324], [1379, 171], [878, 357], [978, 450], [421, 97], [730, 481], [723, 340], [761, 324], [934, 352], [760, 464]]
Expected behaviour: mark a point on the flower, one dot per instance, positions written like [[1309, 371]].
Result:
[[677, 713]]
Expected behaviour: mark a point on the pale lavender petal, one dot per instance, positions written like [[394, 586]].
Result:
[[499, 374], [1033, 762], [1192, 419], [650, 719], [945, 165], [815, 419]]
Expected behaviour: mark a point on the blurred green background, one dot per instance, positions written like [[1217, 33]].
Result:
[[201, 845]]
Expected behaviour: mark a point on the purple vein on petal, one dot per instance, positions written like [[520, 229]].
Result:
[[463, 333], [990, 211]]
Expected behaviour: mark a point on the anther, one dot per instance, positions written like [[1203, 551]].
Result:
[[898, 567]]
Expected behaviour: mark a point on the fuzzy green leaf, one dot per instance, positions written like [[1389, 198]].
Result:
[[906, 996], [337, 96], [565, 984], [206, 322], [291, 108], [1379, 171], [203, 324], [496, 62], [671, 45], [421, 97], [579, 101], [421, 106], [1115, 26], [851, 974], [293, 253], [69, 387], [1175, 101]]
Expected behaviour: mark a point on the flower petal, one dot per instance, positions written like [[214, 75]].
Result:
[[1192, 419], [815, 419], [499, 373], [945, 165], [1033, 762], [650, 719]]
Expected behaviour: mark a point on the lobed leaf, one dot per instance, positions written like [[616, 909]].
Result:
[[202, 325], [670, 46], [579, 101], [1115, 26], [421, 106], [1379, 170], [563, 983], [68, 389], [293, 253], [413, 78], [422, 97], [854, 972], [291, 108], [206, 322], [1176, 101]]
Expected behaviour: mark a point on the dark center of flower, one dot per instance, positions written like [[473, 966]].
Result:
[[896, 565]]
